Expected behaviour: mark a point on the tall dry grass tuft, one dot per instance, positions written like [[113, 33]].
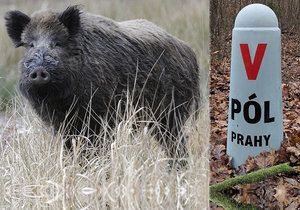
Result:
[[35, 170]]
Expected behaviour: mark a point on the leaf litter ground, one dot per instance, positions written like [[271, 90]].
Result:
[[279, 192]]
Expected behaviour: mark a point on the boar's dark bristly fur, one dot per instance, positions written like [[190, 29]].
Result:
[[71, 56]]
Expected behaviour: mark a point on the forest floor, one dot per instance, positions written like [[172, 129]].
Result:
[[279, 192]]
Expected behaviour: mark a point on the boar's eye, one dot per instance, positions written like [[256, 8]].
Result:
[[57, 44], [31, 44]]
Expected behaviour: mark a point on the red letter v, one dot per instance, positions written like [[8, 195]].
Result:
[[252, 69]]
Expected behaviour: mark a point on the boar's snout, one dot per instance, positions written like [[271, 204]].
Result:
[[39, 76]]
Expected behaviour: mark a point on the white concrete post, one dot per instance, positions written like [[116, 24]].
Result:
[[255, 121]]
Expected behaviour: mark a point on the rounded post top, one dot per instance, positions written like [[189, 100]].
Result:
[[256, 16]]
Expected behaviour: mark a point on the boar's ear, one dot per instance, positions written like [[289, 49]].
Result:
[[15, 24], [71, 19]]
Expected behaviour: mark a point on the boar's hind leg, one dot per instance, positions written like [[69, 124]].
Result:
[[173, 140]]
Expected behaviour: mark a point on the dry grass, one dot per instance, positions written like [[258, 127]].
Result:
[[35, 172]]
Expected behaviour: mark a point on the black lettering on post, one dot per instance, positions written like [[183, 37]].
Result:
[[235, 107], [268, 119], [240, 139], [267, 138], [257, 110], [233, 136], [248, 141], [257, 139]]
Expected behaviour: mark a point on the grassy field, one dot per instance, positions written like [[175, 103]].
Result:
[[36, 173]]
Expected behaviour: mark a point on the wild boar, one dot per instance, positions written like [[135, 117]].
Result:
[[74, 59]]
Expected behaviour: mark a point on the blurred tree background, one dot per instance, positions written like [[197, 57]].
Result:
[[223, 13]]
